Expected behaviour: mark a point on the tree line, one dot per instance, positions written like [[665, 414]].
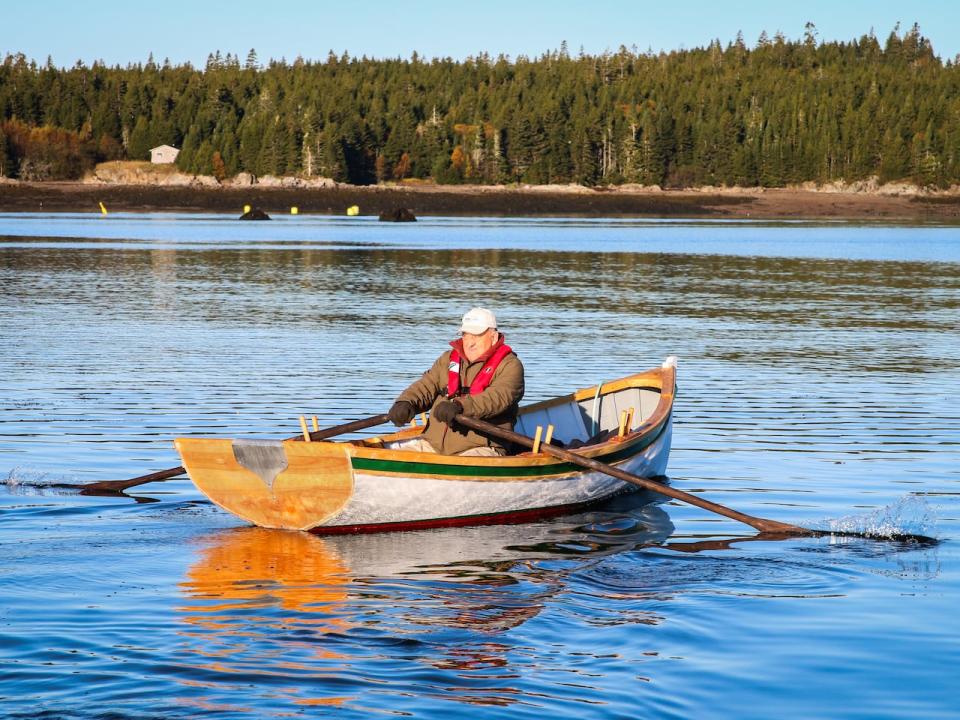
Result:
[[781, 112]]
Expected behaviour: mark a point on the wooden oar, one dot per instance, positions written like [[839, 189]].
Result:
[[109, 487], [770, 529], [761, 524]]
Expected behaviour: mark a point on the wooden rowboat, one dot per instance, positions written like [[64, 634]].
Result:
[[367, 486]]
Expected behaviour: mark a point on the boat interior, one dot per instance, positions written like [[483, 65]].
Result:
[[587, 417], [592, 419]]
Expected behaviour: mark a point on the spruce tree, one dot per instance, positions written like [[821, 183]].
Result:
[[785, 111], [140, 143], [6, 156]]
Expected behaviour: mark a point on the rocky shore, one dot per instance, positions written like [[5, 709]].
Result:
[[318, 196]]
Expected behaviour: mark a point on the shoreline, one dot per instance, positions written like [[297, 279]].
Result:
[[460, 200]]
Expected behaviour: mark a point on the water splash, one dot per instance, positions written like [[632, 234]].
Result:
[[21, 481], [911, 515]]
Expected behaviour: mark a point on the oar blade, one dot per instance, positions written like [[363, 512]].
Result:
[[117, 487]]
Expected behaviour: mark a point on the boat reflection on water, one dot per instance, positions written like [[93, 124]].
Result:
[[251, 569], [300, 611], [258, 605]]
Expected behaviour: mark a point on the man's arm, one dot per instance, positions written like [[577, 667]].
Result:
[[424, 391], [506, 389]]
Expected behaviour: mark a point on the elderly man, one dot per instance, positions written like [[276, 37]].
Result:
[[479, 377]]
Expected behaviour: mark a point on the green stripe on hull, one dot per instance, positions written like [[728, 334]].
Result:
[[488, 471]]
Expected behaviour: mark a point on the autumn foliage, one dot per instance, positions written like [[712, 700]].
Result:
[[52, 153], [777, 113]]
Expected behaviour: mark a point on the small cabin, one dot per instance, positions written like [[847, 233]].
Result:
[[163, 154]]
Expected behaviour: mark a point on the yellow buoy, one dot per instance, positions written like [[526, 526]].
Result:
[[246, 209], [353, 210], [294, 210], [103, 209]]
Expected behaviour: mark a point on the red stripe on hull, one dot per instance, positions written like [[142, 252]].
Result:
[[507, 518]]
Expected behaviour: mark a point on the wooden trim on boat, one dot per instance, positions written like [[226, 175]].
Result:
[[521, 468], [298, 485], [315, 484], [526, 466], [646, 380]]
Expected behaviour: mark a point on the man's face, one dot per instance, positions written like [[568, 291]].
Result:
[[474, 346]]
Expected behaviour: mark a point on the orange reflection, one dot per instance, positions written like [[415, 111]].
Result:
[[260, 603], [292, 570]]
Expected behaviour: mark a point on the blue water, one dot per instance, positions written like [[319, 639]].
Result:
[[818, 382], [826, 239]]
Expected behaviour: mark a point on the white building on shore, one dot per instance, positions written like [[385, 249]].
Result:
[[163, 154]]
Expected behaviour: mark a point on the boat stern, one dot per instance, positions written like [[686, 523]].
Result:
[[277, 484]]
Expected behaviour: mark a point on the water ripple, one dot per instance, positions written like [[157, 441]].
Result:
[[819, 366]]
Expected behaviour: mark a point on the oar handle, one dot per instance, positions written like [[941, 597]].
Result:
[[762, 524], [110, 487], [346, 428]]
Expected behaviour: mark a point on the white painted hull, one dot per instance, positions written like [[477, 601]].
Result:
[[379, 499], [367, 485]]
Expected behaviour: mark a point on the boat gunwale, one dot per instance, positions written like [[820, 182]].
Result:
[[531, 469], [525, 467], [310, 506], [614, 450]]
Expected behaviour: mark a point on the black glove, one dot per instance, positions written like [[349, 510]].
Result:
[[446, 410], [401, 413]]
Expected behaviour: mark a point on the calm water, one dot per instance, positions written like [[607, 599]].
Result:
[[819, 378]]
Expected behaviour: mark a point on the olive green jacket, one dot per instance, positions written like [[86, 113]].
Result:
[[497, 404]]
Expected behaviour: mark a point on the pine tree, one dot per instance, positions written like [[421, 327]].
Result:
[[188, 159], [895, 157], [649, 162], [786, 111], [585, 157], [6, 156], [332, 160], [140, 143]]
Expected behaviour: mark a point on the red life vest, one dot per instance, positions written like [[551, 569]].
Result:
[[483, 378]]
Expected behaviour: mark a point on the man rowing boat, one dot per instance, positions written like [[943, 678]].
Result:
[[480, 377]]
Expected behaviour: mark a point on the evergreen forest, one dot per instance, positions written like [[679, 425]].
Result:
[[783, 111]]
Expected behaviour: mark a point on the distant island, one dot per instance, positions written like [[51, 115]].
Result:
[[863, 116]]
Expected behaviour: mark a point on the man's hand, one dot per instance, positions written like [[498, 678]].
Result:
[[401, 413], [447, 410]]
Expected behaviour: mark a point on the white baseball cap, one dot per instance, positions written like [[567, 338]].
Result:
[[477, 321]]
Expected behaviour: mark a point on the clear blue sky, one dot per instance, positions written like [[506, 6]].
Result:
[[187, 30]]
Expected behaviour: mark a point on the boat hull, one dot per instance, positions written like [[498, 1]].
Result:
[[382, 503], [368, 486]]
